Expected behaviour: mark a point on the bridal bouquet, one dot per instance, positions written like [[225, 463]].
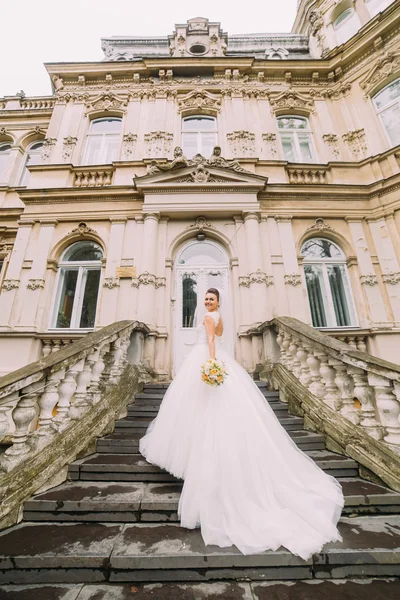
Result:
[[213, 372]]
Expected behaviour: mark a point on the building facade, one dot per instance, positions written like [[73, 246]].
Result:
[[265, 165]]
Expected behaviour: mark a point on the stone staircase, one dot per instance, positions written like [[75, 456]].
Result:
[[112, 531]]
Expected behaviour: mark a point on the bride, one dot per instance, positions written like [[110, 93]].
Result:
[[245, 481]]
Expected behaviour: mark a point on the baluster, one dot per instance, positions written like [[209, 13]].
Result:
[[345, 385], [46, 348], [388, 407], [79, 403], [4, 410], [22, 416], [361, 344], [366, 396], [279, 340], [285, 347], [302, 355], [97, 368], [296, 366], [47, 403], [316, 386], [332, 392], [56, 345], [351, 340], [117, 350], [66, 390]]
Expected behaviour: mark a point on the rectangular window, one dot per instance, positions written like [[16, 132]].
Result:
[[316, 294], [67, 297]]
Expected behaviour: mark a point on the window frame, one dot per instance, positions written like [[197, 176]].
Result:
[[352, 14], [199, 132], [5, 154], [379, 111], [327, 292], [103, 147], [386, 3], [83, 267], [294, 133], [25, 175]]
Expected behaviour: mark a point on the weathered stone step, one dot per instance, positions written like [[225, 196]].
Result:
[[150, 502], [93, 552], [316, 589], [129, 424], [133, 467], [121, 442], [154, 405]]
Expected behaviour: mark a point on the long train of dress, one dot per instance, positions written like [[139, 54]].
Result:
[[245, 481]]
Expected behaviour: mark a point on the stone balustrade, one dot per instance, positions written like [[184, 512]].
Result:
[[37, 103], [350, 395], [306, 176], [355, 339], [51, 410], [56, 342], [93, 177]]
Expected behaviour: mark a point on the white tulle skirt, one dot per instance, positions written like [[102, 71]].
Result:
[[245, 481]]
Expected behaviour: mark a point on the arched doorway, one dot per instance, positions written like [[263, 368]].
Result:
[[199, 266]]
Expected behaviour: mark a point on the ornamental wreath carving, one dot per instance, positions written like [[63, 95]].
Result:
[[82, 229], [256, 277], [107, 101], [370, 280], [292, 279], [291, 99], [35, 284], [199, 100], [69, 144], [147, 278], [391, 278], [319, 225], [111, 282], [10, 284]]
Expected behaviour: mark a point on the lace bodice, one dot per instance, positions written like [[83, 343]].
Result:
[[201, 329]]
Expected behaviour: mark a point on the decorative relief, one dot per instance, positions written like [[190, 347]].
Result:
[[69, 144], [290, 99], [158, 143], [199, 100], [107, 101], [391, 278], [198, 37], [128, 145], [48, 145], [316, 28], [332, 142], [35, 284], [370, 280], [356, 142], [293, 279], [256, 277], [82, 229], [305, 176], [319, 225], [201, 223], [10, 284], [147, 278], [276, 53], [270, 144], [380, 71], [242, 142], [180, 161], [93, 178], [111, 282]]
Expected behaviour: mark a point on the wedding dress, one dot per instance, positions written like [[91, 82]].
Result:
[[246, 483]]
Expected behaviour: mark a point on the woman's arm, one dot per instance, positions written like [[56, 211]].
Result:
[[209, 324]]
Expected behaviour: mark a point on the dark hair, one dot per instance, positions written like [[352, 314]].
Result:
[[213, 291]]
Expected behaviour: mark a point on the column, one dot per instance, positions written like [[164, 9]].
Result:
[[147, 277], [12, 282], [257, 278], [111, 282], [277, 266]]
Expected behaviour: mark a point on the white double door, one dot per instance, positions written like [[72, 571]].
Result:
[[192, 283]]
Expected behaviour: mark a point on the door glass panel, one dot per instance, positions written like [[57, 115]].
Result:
[[189, 300], [67, 298], [90, 294], [337, 282], [215, 279], [316, 294], [201, 253]]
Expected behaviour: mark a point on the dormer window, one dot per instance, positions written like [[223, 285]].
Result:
[[199, 135], [346, 25]]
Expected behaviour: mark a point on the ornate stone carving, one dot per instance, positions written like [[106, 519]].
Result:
[[319, 225], [293, 279], [10, 284], [147, 278], [242, 142], [356, 142], [48, 145], [107, 101], [69, 144], [57, 82], [180, 161], [82, 229], [270, 144], [276, 53], [35, 284], [316, 27], [158, 143], [256, 277], [306, 176], [199, 100], [201, 223], [370, 280], [391, 278], [217, 160], [128, 145], [331, 140], [384, 66], [291, 99], [111, 282], [198, 37], [93, 178]]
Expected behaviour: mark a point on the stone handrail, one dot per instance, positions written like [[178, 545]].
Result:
[[93, 177], [52, 409], [361, 390]]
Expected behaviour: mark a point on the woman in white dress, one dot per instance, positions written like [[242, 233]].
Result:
[[245, 481]]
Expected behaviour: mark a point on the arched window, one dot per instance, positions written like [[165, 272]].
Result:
[[328, 287], [387, 104], [346, 25], [33, 157], [376, 6], [199, 135], [4, 153], [78, 286], [296, 138], [102, 141]]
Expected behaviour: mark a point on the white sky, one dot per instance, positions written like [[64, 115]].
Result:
[[37, 31]]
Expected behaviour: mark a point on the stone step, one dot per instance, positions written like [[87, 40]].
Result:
[[154, 405], [316, 589], [130, 424], [95, 552], [128, 443], [133, 467], [158, 502]]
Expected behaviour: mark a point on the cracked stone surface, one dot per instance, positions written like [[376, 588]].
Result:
[[363, 589], [168, 591], [40, 592]]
